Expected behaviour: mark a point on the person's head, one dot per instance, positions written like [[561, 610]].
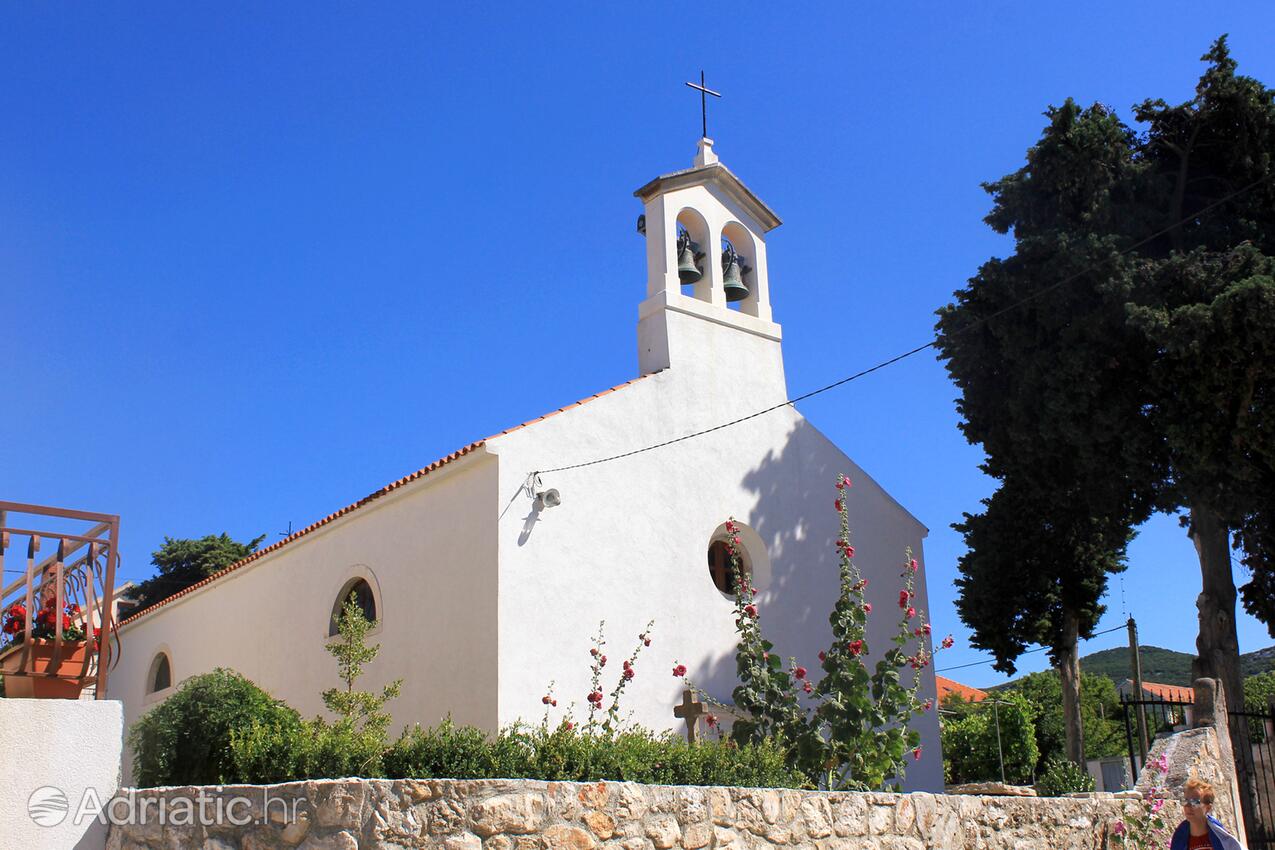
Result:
[[1197, 800]]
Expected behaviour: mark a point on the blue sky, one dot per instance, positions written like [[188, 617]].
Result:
[[256, 260]]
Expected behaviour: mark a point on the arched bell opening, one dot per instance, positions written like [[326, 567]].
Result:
[[691, 253], [739, 268]]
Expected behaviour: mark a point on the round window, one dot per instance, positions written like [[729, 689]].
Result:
[[720, 569]]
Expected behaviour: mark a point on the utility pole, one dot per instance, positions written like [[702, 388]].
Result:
[[1135, 662]]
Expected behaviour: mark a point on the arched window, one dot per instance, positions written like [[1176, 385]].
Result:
[[363, 597], [160, 677]]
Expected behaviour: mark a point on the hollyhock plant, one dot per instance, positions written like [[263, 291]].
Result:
[[597, 697], [1149, 827], [850, 729]]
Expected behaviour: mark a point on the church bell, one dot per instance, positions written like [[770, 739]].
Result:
[[687, 255], [731, 275]]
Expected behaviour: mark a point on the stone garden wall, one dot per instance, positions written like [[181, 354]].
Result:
[[529, 815]]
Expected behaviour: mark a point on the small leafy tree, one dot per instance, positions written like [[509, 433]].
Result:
[[354, 745], [974, 746], [358, 711], [850, 729]]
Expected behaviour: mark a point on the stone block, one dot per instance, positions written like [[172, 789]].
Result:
[[517, 813]]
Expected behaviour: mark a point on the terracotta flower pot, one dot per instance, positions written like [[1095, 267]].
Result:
[[44, 687]]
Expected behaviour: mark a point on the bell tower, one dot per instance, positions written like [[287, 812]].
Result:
[[707, 288]]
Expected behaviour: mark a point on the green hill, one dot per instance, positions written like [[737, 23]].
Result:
[[1165, 666]]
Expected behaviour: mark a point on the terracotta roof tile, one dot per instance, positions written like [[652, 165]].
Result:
[[388, 488], [1175, 693], [947, 687]]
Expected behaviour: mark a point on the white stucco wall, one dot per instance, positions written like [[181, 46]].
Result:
[[52, 746], [430, 547], [629, 541]]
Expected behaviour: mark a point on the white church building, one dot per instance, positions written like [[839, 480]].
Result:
[[485, 591]]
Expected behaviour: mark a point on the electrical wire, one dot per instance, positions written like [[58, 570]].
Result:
[[1028, 652], [918, 349]]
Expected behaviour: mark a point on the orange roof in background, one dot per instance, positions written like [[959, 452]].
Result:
[[1175, 693], [947, 687], [388, 488]]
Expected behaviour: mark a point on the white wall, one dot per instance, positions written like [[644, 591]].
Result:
[[629, 541], [430, 546], [51, 746]]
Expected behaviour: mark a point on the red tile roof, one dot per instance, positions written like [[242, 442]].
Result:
[[947, 687], [388, 488], [1175, 693]]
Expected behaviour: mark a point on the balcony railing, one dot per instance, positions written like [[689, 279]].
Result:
[[56, 607]]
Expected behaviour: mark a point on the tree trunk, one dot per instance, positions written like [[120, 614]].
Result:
[[1069, 673], [1218, 646]]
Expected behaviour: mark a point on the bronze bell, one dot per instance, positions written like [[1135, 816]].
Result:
[[731, 275], [687, 257]]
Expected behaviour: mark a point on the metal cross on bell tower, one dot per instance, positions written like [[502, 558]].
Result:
[[703, 100]]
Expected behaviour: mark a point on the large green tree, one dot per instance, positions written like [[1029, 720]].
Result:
[[1126, 349], [1034, 572], [179, 563], [1100, 708]]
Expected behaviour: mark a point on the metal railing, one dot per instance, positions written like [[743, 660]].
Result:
[[58, 625]]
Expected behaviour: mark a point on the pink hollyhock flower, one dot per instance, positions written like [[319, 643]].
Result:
[[1118, 828], [837, 505], [926, 628], [679, 670], [750, 610], [602, 662], [628, 672], [916, 754], [1156, 806], [855, 647], [554, 703], [800, 672], [947, 642], [569, 725], [711, 720], [594, 652], [808, 688], [929, 703], [912, 565], [840, 484], [867, 607], [911, 612], [545, 700], [903, 599], [823, 656]]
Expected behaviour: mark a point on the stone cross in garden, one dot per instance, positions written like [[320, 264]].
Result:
[[690, 711]]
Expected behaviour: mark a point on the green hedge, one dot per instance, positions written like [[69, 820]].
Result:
[[318, 750], [185, 740]]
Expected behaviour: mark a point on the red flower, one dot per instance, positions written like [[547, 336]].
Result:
[[568, 725], [837, 505], [711, 720], [596, 697], [840, 484], [823, 656], [750, 610], [736, 540], [646, 641], [867, 607], [545, 699], [912, 564], [911, 612], [903, 598], [602, 662], [594, 652], [679, 670], [800, 672], [554, 703], [929, 703], [628, 672], [947, 642], [916, 754], [855, 647], [808, 688], [926, 628]]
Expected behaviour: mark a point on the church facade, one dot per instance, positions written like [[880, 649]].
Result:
[[489, 580]]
